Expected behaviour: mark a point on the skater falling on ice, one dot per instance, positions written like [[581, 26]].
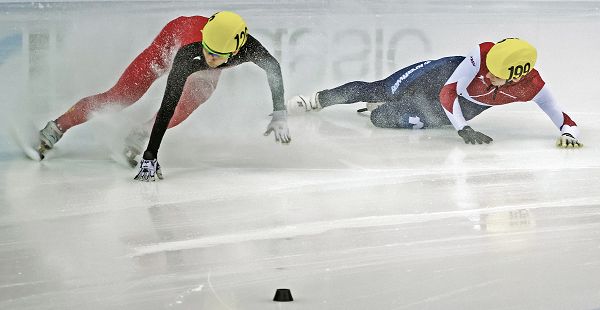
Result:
[[451, 91], [197, 47]]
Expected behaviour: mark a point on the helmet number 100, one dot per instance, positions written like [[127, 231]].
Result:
[[518, 71]]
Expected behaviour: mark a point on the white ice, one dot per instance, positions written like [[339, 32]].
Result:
[[348, 216]]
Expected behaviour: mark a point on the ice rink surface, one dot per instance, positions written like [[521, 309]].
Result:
[[348, 216]]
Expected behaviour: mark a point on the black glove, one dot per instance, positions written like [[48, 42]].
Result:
[[472, 136]]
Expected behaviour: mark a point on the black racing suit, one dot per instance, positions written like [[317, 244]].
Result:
[[190, 59]]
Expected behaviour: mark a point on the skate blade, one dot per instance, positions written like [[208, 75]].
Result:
[[132, 162], [41, 151], [129, 156]]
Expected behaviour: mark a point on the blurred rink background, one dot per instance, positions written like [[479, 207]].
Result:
[[348, 216]]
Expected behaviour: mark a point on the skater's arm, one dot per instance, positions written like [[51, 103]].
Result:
[[546, 101], [259, 55], [184, 65], [254, 51], [462, 76], [450, 103]]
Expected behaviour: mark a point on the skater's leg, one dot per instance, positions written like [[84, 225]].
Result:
[[130, 87], [385, 90], [415, 92], [149, 65], [397, 115], [348, 93], [353, 92]]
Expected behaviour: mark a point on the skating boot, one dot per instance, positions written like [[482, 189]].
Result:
[[134, 145], [48, 137], [370, 107], [304, 104]]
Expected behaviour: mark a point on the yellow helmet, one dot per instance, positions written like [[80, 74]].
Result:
[[511, 58], [224, 33]]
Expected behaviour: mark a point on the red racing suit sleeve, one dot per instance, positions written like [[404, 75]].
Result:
[[462, 76]]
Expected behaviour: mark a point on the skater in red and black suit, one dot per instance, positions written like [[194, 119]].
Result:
[[196, 47]]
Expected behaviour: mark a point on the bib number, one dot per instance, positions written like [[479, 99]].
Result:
[[240, 38], [518, 71]]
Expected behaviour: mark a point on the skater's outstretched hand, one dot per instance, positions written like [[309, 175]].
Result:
[[149, 168], [566, 140], [279, 127], [473, 137]]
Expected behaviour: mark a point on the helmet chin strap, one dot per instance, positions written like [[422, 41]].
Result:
[[232, 54]]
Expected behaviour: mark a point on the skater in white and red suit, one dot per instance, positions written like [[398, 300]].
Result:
[[451, 91]]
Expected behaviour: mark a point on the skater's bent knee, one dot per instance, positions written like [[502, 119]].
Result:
[[379, 119]]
